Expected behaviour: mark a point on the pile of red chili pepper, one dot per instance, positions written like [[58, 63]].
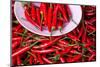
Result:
[[48, 16], [78, 45]]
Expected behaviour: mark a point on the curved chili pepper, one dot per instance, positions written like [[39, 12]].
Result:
[[19, 62], [73, 37], [84, 37], [17, 28], [74, 59], [38, 17], [77, 57], [33, 12], [44, 51], [40, 59], [70, 16], [45, 45], [74, 51], [21, 51], [31, 60], [28, 17], [24, 49], [63, 42], [54, 19], [60, 25], [90, 14], [68, 11], [88, 43], [81, 32], [90, 8], [57, 47], [62, 10], [91, 27], [15, 44], [91, 57], [66, 50], [43, 11], [16, 38], [14, 61], [49, 20], [91, 21], [61, 58], [47, 60]]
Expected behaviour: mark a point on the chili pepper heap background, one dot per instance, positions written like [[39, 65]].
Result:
[[78, 45]]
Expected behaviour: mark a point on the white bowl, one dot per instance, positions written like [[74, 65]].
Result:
[[76, 12]]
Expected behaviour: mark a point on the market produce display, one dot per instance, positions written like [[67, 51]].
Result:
[[78, 45]]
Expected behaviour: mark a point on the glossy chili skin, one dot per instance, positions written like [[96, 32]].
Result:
[[77, 45], [54, 20], [50, 14], [27, 15]]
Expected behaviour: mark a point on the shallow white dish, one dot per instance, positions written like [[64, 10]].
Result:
[[76, 12]]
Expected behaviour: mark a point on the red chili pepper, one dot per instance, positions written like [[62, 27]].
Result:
[[54, 19], [23, 50], [14, 61], [19, 62], [77, 57], [91, 21], [62, 10], [76, 46], [34, 57], [81, 32], [17, 39], [49, 20], [33, 12], [69, 59], [43, 51], [74, 51], [31, 59], [30, 41], [61, 58], [47, 60], [68, 11], [60, 25], [84, 37], [90, 14], [91, 27], [73, 37], [38, 18], [28, 17], [63, 42], [45, 45], [15, 44], [90, 8], [67, 49], [17, 28], [43, 11], [43, 40], [40, 59], [74, 59], [75, 32], [90, 50], [57, 47], [91, 57], [88, 43]]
